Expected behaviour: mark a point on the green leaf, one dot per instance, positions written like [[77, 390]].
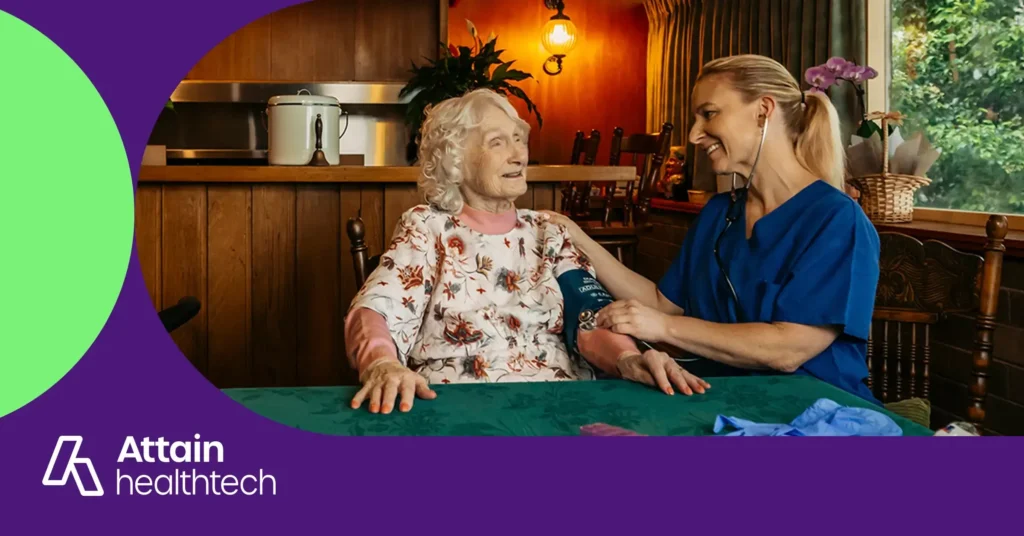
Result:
[[518, 75], [499, 72]]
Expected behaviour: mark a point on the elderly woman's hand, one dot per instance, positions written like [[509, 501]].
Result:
[[657, 369], [385, 380], [630, 317]]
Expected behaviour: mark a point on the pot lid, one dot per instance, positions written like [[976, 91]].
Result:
[[305, 100]]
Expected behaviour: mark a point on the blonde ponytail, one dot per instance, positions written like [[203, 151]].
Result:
[[819, 145], [813, 127]]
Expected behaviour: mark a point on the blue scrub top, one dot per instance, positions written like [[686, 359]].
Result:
[[813, 260]]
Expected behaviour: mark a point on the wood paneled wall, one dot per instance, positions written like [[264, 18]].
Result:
[[272, 267], [603, 83], [329, 40]]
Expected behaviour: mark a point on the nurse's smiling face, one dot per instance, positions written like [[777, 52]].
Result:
[[725, 127]]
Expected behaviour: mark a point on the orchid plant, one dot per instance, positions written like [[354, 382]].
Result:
[[836, 70]]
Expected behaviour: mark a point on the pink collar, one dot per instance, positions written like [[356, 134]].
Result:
[[485, 222]]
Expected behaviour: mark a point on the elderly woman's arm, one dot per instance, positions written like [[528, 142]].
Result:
[[385, 318], [368, 340], [618, 356], [372, 354]]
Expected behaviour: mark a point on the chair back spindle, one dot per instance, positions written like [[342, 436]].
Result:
[[576, 196], [649, 151], [364, 264], [569, 188], [612, 187]]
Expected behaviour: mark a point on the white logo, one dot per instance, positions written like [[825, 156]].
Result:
[[71, 468]]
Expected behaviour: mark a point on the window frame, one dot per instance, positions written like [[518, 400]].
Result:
[[879, 52]]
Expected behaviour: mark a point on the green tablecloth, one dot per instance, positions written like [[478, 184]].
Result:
[[555, 408]]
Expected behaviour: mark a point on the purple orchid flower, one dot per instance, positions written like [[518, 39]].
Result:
[[820, 77], [837, 64], [852, 72], [816, 89], [857, 73]]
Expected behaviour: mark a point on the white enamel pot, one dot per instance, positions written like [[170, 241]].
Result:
[[291, 129]]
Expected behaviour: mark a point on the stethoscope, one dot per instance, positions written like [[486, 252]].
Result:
[[732, 214]]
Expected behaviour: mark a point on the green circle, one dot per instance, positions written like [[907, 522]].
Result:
[[66, 213]]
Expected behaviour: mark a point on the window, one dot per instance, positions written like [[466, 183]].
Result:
[[956, 73]]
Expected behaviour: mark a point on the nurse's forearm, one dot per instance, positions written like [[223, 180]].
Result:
[[620, 281], [782, 347]]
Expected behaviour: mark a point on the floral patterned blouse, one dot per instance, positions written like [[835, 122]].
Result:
[[464, 306]]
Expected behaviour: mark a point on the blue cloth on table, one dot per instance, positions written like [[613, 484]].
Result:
[[824, 418], [813, 261]]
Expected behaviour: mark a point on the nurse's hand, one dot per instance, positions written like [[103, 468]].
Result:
[[657, 369], [630, 317], [575, 232], [385, 380]]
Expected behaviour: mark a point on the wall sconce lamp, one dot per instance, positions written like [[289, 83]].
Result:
[[558, 36]]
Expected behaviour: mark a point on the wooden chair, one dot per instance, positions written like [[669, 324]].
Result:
[[919, 284], [622, 235], [575, 195], [180, 313], [652, 150], [364, 264]]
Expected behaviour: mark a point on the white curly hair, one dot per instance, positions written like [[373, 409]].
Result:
[[442, 146]]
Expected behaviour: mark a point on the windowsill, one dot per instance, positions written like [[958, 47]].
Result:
[[961, 230], [965, 237]]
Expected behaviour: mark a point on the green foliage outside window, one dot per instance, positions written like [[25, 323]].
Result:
[[958, 75]]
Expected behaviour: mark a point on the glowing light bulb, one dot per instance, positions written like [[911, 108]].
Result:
[[559, 37]]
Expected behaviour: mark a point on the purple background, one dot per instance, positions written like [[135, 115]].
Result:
[[134, 381]]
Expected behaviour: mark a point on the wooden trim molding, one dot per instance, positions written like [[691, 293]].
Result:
[[359, 174], [676, 206], [964, 217]]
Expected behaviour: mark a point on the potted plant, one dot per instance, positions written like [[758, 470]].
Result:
[[836, 70], [457, 71]]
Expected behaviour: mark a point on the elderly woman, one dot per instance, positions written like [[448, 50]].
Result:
[[467, 289]]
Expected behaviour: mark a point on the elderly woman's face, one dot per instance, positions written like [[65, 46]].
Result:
[[725, 127], [497, 157]]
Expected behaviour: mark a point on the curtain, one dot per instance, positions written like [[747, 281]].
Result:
[[683, 35]]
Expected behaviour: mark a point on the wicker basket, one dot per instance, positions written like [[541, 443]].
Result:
[[887, 197]]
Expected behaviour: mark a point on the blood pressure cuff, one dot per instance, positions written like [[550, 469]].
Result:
[[583, 297]]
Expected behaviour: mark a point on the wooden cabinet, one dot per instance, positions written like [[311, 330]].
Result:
[[330, 40], [271, 262]]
